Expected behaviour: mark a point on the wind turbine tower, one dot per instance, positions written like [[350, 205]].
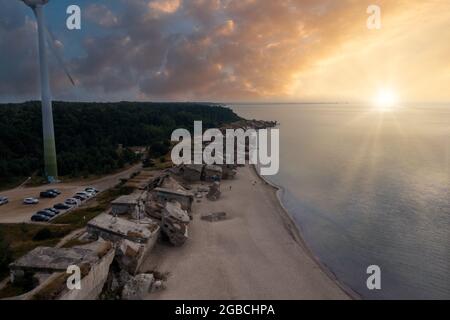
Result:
[[51, 167]]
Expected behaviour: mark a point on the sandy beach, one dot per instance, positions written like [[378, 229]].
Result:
[[256, 253]]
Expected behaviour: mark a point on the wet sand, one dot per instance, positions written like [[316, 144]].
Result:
[[255, 254]]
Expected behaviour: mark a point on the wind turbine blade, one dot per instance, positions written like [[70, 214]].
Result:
[[51, 43]]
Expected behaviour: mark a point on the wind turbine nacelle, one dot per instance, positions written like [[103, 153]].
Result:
[[33, 3]]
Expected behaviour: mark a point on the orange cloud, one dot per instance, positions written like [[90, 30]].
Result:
[[165, 6]]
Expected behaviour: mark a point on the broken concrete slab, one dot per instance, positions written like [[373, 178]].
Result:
[[49, 267], [176, 232], [134, 240], [138, 287], [185, 198], [132, 205], [213, 217], [212, 173], [214, 192], [173, 209], [228, 172], [49, 260], [191, 172], [116, 229]]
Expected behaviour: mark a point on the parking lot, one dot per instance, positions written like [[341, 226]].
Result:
[[15, 211]]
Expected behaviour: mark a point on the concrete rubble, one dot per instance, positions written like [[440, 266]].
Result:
[[176, 232], [214, 217], [200, 172], [175, 223], [228, 172], [174, 210], [137, 287], [134, 239], [132, 205], [191, 172], [47, 267], [214, 192], [212, 173], [164, 195]]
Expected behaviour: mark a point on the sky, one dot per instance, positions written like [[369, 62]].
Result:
[[231, 50]]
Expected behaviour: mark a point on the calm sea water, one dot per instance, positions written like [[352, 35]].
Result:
[[369, 188]]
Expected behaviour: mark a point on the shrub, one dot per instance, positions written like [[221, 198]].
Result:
[[43, 234], [5, 254]]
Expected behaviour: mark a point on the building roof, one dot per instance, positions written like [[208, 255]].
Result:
[[57, 259], [213, 168], [129, 199], [121, 227], [194, 167]]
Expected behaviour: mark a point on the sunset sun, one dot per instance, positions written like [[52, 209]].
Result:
[[385, 100]]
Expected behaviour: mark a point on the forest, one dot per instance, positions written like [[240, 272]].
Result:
[[88, 134]]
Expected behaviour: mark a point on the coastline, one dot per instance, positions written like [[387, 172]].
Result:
[[295, 231], [255, 253]]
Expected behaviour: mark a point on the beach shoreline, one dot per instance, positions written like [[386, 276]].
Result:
[[296, 232], [255, 253]]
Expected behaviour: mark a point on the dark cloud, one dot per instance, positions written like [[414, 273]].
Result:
[[181, 49]]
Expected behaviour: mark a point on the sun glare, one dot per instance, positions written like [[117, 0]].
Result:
[[385, 100]]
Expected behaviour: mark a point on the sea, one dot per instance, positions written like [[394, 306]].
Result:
[[368, 187]]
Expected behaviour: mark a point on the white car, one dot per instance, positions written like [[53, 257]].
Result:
[[84, 193], [72, 202], [30, 201], [3, 200], [91, 190]]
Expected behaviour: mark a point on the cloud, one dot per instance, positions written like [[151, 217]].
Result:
[[225, 49], [101, 15], [164, 6]]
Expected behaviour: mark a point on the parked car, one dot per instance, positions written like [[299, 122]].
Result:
[[48, 194], [84, 194], [56, 191], [62, 206], [89, 194], [72, 202], [91, 190], [46, 213], [52, 210], [39, 218], [80, 197], [30, 201], [3, 200]]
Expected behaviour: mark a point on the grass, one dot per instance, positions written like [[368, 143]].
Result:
[[162, 163], [20, 236], [10, 183], [74, 242], [12, 290]]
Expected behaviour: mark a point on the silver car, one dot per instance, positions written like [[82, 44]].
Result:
[[3, 200], [30, 201]]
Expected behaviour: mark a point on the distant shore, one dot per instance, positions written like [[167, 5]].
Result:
[[256, 253]]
